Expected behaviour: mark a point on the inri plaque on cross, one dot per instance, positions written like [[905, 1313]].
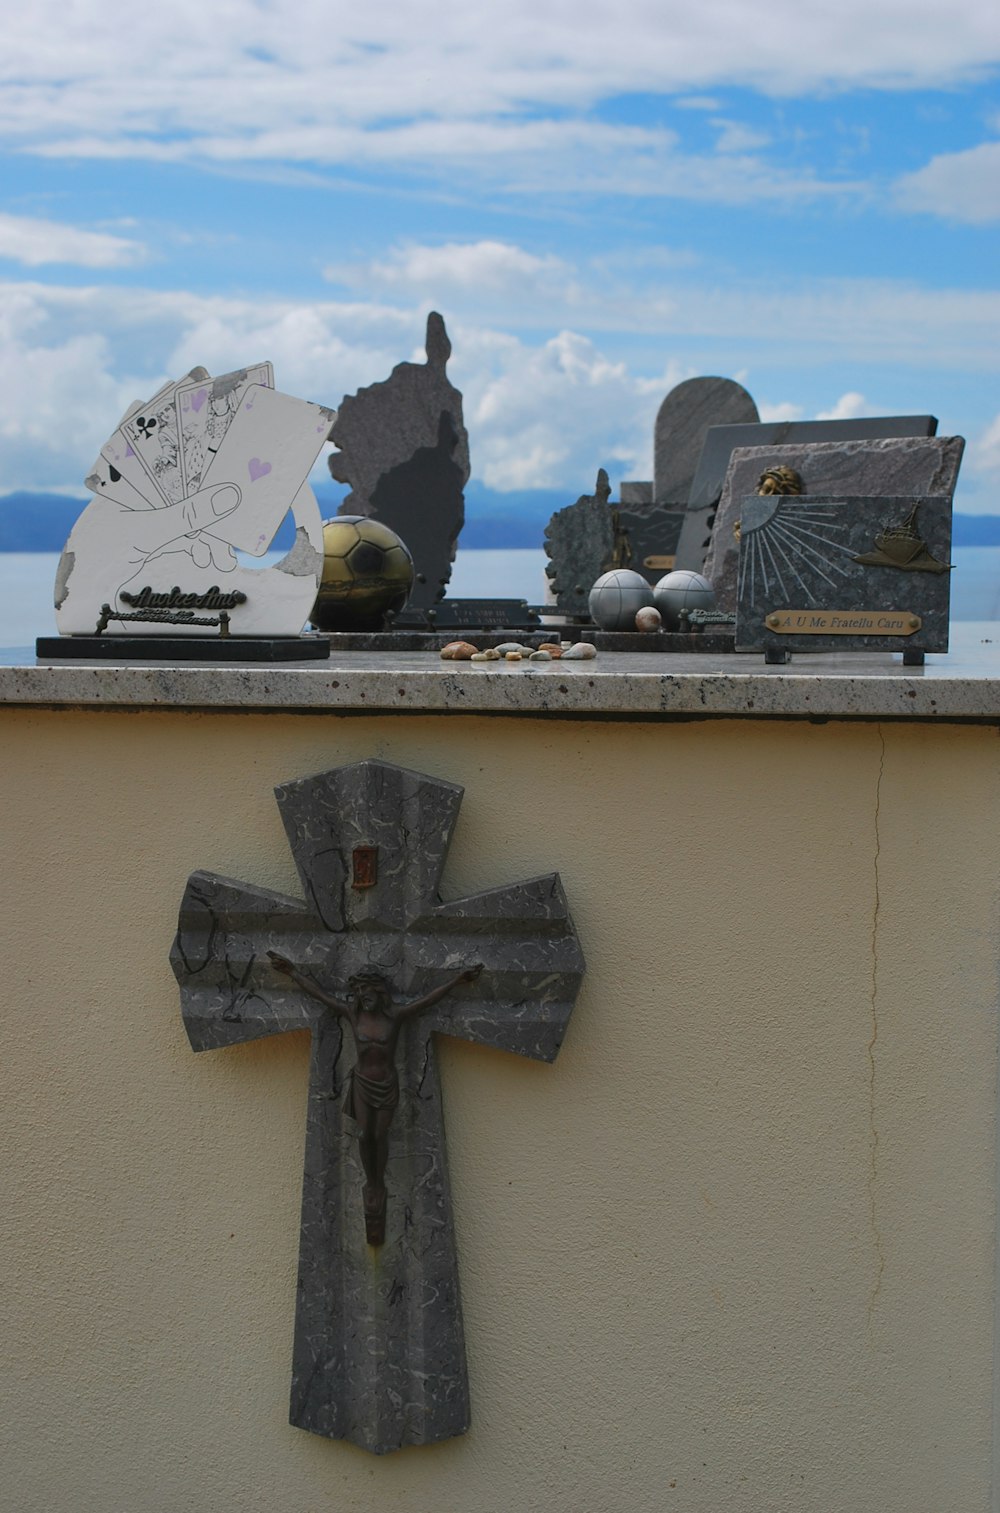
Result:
[[374, 963]]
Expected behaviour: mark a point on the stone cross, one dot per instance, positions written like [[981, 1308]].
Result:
[[379, 1355]]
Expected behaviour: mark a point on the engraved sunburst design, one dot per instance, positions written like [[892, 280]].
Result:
[[778, 535]]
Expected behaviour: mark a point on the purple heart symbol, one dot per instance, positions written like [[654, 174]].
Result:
[[129, 452], [258, 469], [198, 399]]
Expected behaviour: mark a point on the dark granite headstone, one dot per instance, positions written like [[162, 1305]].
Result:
[[652, 532], [683, 419], [580, 541], [819, 573], [895, 466], [651, 515], [630, 492], [722, 440], [379, 1353], [404, 450]]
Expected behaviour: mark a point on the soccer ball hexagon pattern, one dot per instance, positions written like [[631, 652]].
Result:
[[367, 573]]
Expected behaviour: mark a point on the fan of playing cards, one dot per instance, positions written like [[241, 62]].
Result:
[[205, 469]]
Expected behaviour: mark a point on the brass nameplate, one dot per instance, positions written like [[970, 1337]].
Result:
[[660, 563], [842, 622]]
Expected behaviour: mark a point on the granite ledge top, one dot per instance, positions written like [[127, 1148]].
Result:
[[962, 685]]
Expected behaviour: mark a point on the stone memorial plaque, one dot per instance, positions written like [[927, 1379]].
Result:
[[886, 467], [651, 532], [375, 964], [819, 572], [580, 540], [681, 425], [486, 614], [403, 448], [206, 469], [722, 440]]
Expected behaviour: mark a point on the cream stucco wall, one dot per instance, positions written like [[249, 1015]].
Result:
[[732, 1251]]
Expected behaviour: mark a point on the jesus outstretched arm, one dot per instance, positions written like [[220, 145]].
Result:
[[282, 964], [436, 994]]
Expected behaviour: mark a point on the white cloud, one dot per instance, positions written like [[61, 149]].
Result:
[[756, 324], [34, 242], [776, 413], [292, 82], [736, 137], [849, 406], [545, 407], [432, 271], [961, 186], [540, 416], [984, 454]]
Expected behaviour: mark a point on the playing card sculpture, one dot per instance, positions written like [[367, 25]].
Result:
[[206, 468]]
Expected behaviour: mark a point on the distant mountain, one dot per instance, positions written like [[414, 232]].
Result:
[[41, 522], [36, 522]]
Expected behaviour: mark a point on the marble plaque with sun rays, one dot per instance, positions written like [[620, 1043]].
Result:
[[838, 574]]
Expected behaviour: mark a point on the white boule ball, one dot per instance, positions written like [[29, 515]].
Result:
[[682, 589], [648, 619], [615, 598]]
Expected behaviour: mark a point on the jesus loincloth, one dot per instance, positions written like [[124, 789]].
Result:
[[370, 1093]]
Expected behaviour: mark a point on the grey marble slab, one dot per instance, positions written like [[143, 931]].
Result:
[[963, 685], [379, 1355], [722, 441], [682, 423], [404, 449], [867, 468], [879, 566]]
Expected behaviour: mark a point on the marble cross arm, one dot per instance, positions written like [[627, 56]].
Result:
[[532, 965], [230, 992]]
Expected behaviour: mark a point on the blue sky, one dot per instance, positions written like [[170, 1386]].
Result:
[[602, 201]]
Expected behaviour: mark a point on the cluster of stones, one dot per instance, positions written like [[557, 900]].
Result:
[[514, 651]]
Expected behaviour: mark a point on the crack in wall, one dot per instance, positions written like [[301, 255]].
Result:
[[873, 1135]]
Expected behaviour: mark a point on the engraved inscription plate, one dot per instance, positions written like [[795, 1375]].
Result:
[[827, 622], [844, 573]]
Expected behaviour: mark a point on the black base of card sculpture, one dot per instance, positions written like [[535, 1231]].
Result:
[[374, 964], [404, 450], [303, 648]]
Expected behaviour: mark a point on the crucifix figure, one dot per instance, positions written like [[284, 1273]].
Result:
[[379, 1354], [373, 1083]]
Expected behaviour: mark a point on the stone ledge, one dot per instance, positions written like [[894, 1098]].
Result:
[[963, 685]]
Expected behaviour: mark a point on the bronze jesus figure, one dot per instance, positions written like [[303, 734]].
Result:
[[373, 1088]]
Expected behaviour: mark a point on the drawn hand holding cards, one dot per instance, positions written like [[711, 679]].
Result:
[[207, 468]]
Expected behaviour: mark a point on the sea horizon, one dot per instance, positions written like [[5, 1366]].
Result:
[[27, 578]]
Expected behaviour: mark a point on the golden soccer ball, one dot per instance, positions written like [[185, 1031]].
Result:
[[367, 572]]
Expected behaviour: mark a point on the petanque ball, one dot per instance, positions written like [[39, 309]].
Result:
[[616, 596], [682, 589]]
